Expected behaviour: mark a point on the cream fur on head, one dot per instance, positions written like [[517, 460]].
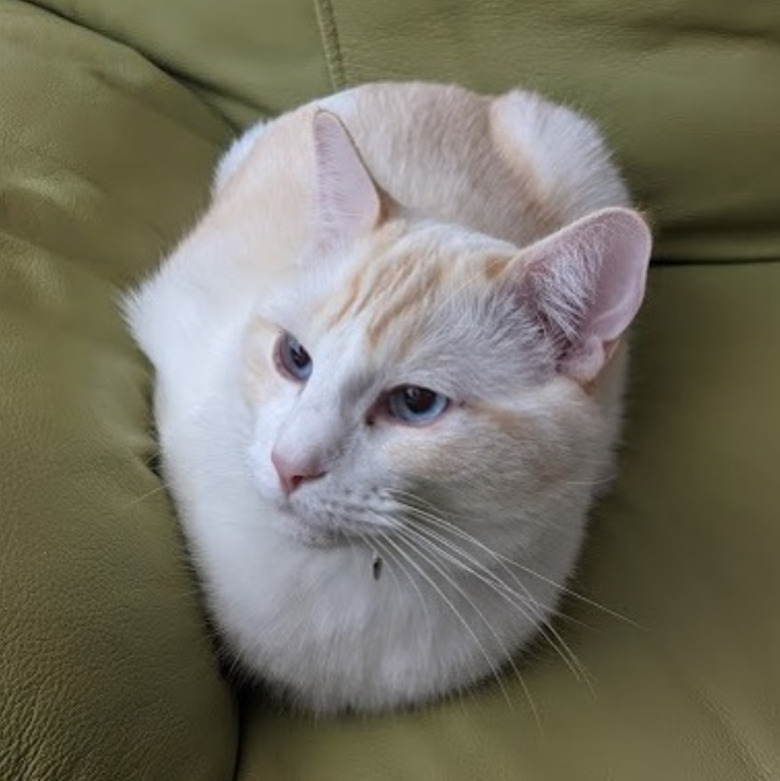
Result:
[[388, 381]]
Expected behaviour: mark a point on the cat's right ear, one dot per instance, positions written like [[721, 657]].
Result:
[[584, 284], [349, 205]]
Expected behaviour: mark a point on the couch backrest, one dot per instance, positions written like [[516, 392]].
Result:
[[687, 90]]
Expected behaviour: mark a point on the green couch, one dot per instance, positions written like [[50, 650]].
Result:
[[112, 114]]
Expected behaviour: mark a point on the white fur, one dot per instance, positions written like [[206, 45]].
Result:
[[234, 158], [304, 613]]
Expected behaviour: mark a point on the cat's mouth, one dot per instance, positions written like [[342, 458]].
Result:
[[321, 527], [311, 532]]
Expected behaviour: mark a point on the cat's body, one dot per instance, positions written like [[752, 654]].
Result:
[[354, 551]]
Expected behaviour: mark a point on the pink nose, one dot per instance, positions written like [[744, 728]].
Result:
[[293, 473]]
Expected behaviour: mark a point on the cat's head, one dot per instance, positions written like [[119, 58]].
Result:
[[418, 370]]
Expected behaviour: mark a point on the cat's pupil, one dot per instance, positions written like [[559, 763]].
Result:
[[292, 359], [298, 355], [415, 404], [418, 400]]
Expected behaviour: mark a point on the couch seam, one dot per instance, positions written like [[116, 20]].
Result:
[[331, 43], [726, 262]]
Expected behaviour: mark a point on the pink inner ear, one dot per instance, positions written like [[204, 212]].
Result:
[[624, 244], [586, 283], [348, 204]]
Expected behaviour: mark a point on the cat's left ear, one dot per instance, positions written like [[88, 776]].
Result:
[[349, 204], [584, 285]]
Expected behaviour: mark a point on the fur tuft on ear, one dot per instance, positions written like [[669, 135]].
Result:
[[584, 284], [348, 202]]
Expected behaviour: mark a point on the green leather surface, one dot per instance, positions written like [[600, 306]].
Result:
[[686, 90], [686, 548], [242, 56], [107, 139], [106, 670]]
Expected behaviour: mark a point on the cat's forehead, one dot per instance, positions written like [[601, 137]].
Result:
[[413, 278], [425, 309], [417, 307]]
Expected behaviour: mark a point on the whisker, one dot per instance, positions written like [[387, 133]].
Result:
[[401, 498], [404, 532], [439, 538], [447, 601], [423, 516], [547, 629], [528, 606], [141, 498], [456, 530], [399, 563]]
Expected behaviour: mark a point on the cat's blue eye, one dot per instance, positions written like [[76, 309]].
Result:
[[416, 405], [292, 359]]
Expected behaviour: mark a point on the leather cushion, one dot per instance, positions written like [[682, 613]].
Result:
[[685, 90], [107, 669]]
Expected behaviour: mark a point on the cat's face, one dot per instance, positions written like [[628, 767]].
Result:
[[417, 367], [404, 372]]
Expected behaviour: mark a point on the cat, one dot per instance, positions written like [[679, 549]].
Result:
[[389, 366]]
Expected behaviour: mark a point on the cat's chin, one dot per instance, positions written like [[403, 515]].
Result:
[[307, 534]]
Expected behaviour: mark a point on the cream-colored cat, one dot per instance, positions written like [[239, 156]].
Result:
[[388, 378]]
